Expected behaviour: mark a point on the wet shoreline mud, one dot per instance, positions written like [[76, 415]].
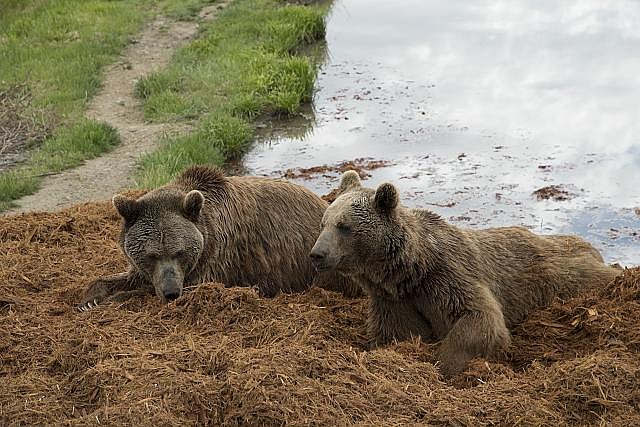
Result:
[[475, 110]]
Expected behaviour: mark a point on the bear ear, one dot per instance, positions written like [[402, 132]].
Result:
[[350, 181], [386, 198], [127, 208], [192, 204]]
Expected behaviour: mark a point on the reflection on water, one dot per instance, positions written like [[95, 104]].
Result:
[[479, 104]]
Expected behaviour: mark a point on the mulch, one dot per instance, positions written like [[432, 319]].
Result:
[[553, 192], [360, 165], [226, 356]]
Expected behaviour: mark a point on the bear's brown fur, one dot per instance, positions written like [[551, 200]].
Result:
[[427, 278], [204, 226]]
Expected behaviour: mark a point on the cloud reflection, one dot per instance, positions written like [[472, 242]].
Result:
[[552, 83]]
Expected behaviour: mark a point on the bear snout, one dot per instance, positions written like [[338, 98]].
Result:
[[170, 284], [319, 259], [171, 295], [318, 255]]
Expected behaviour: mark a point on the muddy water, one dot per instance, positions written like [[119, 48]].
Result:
[[478, 105]]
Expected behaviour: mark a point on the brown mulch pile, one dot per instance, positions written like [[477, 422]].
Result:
[[554, 192], [226, 356], [360, 165]]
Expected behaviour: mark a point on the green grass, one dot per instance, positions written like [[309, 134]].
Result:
[[57, 48], [219, 137], [184, 10], [244, 65], [69, 147], [86, 139]]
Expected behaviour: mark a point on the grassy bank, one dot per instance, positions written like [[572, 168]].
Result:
[[56, 49], [243, 66]]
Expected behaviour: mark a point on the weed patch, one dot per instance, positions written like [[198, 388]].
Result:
[[19, 128]]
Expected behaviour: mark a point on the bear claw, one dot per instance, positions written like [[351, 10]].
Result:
[[88, 305]]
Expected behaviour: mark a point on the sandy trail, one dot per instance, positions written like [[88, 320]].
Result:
[[100, 178]]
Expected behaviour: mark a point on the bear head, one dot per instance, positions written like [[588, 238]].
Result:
[[160, 237], [359, 228]]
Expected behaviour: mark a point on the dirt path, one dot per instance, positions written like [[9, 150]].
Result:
[[100, 178]]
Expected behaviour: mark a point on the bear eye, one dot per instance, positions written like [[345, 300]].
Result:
[[151, 258], [345, 228]]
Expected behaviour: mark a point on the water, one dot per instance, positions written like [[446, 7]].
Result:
[[476, 105]]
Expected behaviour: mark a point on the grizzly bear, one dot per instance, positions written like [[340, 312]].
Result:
[[427, 278], [204, 226]]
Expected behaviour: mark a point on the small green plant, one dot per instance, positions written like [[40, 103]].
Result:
[[219, 137], [183, 10], [71, 146], [157, 83], [15, 184]]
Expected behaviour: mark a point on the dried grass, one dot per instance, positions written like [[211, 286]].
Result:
[[20, 127], [226, 356]]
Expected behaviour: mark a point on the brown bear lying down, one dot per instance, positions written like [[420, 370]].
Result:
[[240, 231], [427, 278]]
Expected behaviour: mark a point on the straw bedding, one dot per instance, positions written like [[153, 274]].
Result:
[[226, 356]]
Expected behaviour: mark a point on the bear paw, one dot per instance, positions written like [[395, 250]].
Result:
[[88, 305]]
